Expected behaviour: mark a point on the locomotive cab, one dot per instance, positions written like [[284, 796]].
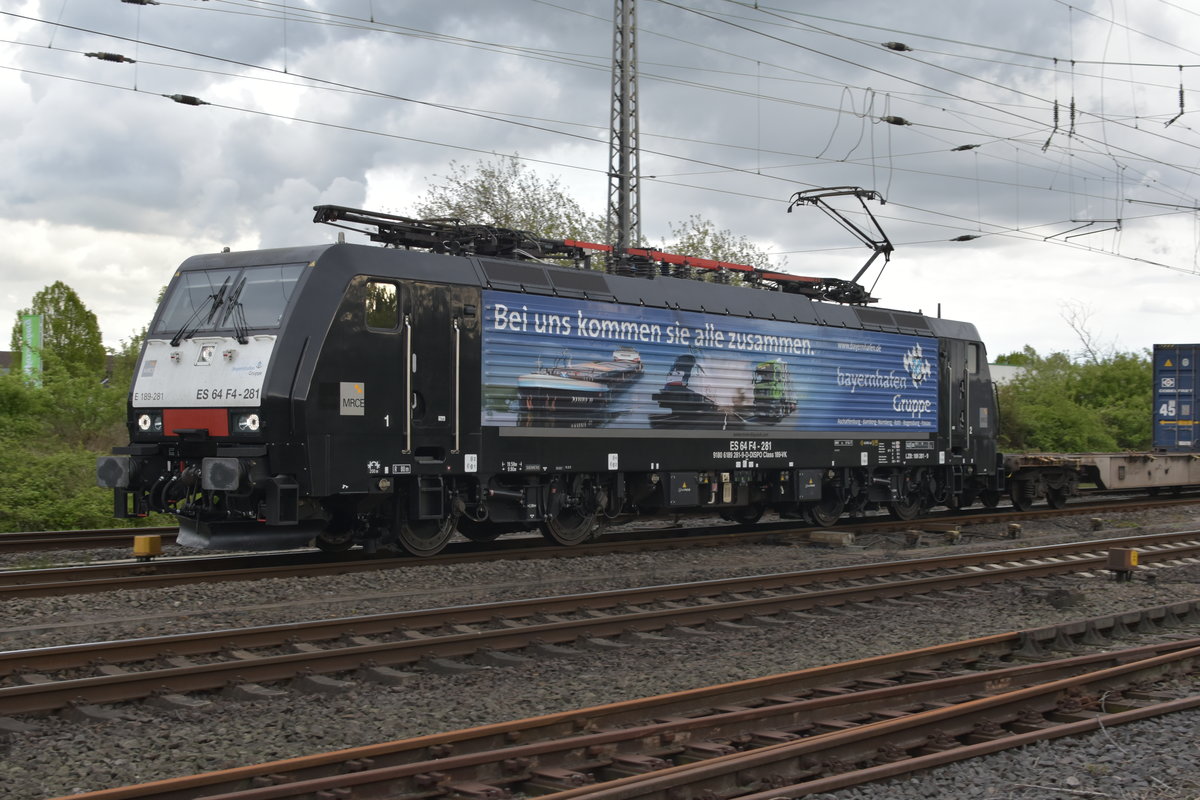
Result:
[[206, 417], [287, 397]]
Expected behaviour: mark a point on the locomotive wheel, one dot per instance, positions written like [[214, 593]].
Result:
[[426, 537], [957, 502], [826, 511], [910, 507], [485, 531], [1022, 494], [990, 498], [911, 503], [571, 527], [1056, 498], [334, 544], [747, 515], [338, 534]]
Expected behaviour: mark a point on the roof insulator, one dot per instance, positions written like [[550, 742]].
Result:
[[895, 120], [141, 2], [110, 57], [962, 147], [900, 47], [966, 237], [186, 99]]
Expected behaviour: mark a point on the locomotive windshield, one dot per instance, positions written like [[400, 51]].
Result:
[[228, 298]]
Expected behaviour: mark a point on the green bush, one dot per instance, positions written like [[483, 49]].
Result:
[[50, 437], [1060, 405]]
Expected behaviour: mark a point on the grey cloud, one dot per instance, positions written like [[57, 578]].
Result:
[[118, 162]]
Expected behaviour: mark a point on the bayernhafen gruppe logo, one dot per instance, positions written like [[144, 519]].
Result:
[[917, 366]]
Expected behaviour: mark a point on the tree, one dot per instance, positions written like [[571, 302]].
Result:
[[1059, 405], [49, 439], [51, 434], [508, 194], [124, 361], [1119, 386], [71, 340], [1017, 358], [1077, 316], [699, 237]]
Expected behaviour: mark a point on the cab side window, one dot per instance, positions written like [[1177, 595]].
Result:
[[382, 306]]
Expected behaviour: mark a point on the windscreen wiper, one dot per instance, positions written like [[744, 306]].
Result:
[[238, 312], [189, 328]]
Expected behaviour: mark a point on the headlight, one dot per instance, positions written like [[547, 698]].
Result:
[[150, 423], [246, 423]]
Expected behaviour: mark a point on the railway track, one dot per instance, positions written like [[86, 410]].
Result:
[[126, 574], [779, 736], [380, 647], [83, 540], [42, 541]]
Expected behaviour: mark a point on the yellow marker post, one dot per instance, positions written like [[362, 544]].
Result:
[[147, 547]]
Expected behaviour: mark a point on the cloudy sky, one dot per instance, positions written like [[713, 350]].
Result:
[[1052, 133]]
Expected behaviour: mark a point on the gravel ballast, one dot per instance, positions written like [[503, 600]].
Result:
[[1151, 760]]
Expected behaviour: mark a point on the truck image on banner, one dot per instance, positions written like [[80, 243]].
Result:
[[561, 363]]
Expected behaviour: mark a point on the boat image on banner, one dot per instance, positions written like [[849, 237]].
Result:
[[573, 393]]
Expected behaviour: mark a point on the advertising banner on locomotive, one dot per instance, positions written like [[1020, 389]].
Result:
[[552, 362], [1175, 423]]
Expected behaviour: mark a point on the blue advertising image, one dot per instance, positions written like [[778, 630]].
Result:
[[552, 362]]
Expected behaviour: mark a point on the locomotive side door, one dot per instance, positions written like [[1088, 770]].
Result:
[[973, 414], [981, 409], [431, 335], [958, 393]]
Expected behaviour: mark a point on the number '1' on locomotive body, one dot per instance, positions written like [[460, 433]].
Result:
[[347, 394]]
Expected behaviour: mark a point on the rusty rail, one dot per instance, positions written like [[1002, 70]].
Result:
[[41, 541], [917, 709], [493, 632]]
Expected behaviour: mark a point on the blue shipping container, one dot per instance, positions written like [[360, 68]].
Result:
[[1175, 396]]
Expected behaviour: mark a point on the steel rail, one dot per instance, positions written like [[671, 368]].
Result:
[[645, 735], [641, 538], [791, 591], [728, 776], [170, 572], [40, 541], [599, 620]]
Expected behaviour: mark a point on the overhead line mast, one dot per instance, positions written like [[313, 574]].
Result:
[[624, 174]]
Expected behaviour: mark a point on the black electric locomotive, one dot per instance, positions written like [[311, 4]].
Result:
[[457, 380]]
